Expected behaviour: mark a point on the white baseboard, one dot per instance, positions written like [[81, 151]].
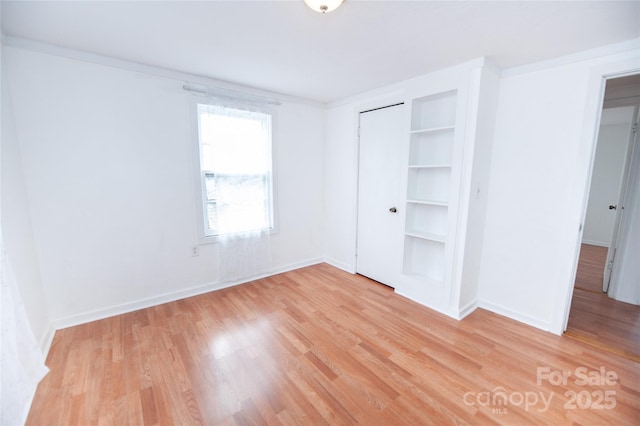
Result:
[[469, 308], [98, 314], [505, 312], [102, 313], [595, 243], [46, 340], [452, 313], [44, 344], [27, 407], [291, 267], [340, 265], [439, 309]]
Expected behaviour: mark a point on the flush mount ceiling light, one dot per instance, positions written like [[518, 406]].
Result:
[[323, 6]]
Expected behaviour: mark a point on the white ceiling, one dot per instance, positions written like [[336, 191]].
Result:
[[283, 46]]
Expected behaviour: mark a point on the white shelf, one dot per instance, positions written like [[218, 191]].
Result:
[[434, 111], [429, 202], [431, 148], [432, 137], [426, 236], [433, 130], [426, 221], [424, 258], [422, 280], [429, 183], [429, 166]]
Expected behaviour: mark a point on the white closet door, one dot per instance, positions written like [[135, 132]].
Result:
[[379, 209]]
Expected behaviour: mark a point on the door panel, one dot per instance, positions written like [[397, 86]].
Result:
[[380, 168], [624, 139]]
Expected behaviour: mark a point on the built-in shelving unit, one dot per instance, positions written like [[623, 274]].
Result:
[[429, 186], [448, 135]]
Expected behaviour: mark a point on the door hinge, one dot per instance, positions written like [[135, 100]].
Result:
[[634, 129]]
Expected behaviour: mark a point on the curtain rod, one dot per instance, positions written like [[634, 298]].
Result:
[[231, 95]]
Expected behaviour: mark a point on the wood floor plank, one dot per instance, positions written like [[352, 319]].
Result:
[[591, 264], [597, 319], [321, 346]]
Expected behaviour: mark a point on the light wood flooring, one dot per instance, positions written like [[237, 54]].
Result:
[[591, 268], [597, 319], [320, 346]]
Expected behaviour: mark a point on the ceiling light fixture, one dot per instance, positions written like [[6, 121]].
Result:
[[323, 6]]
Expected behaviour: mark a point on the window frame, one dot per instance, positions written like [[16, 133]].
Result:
[[201, 199]]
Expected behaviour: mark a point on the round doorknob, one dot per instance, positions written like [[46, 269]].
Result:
[[393, 210]]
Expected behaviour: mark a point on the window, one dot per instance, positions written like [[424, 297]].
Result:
[[235, 169]]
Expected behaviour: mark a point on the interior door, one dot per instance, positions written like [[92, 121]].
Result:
[[379, 173], [619, 207]]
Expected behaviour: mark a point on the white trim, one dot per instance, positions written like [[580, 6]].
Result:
[[340, 265], [98, 314], [46, 340], [459, 209], [595, 243], [457, 315], [109, 61], [514, 315], [468, 309], [27, 408], [419, 86], [585, 55], [124, 308], [289, 267], [44, 344], [223, 96], [102, 313], [402, 292]]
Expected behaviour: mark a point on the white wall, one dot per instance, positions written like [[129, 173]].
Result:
[[17, 232], [480, 157], [341, 187], [107, 161], [611, 152], [543, 148]]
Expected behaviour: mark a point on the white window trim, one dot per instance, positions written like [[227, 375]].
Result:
[[198, 180]]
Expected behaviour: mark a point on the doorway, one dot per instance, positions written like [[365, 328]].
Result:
[[379, 175], [608, 243], [609, 181]]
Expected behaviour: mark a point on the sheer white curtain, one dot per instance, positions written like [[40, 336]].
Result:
[[244, 254], [236, 149], [22, 364]]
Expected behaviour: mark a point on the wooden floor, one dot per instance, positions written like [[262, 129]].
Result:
[[591, 268], [597, 319], [320, 346]]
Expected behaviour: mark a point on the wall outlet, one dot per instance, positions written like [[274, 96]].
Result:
[[195, 251]]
